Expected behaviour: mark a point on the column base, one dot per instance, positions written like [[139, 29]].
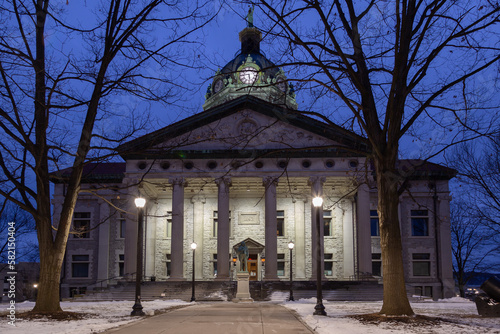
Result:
[[176, 279], [271, 279]]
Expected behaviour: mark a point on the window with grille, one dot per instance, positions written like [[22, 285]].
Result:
[[419, 223], [281, 264], [121, 264], [421, 264], [376, 264], [327, 221], [214, 264], [374, 223], [80, 265], [328, 264], [121, 226], [280, 223], [81, 225]]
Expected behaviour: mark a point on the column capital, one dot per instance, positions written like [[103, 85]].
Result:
[[313, 180], [198, 199], [178, 181], [224, 181], [299, 199], [268, 180]]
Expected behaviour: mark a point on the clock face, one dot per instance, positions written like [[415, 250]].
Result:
[[248, 75], [218, 86]]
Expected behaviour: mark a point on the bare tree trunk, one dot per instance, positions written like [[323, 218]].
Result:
[[395, 298], [50, 273]]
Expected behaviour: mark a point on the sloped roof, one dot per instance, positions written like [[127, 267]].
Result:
[[142, 147], [101, 172], [421, 169]]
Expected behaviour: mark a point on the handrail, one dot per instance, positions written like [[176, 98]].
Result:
[[105, 280]]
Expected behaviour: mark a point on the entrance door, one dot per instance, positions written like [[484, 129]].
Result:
[[253, 267]]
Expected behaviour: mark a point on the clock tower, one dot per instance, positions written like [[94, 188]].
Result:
[[250, 73]]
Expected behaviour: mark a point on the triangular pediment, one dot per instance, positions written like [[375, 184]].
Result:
[[245, 124], [252, 245]]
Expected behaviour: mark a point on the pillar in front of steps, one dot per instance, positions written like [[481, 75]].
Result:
[[177, 241]]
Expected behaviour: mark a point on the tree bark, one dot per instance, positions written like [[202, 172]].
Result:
[[395, 298]]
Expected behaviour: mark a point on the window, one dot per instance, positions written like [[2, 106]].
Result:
[[214, 264], [423, 291], [121, 265], [419, 223], [280, 223], [168, 227], [215, 224], [376, 264], [81, 225], [281, 264], [375, 232], [121, 225], [168, 259], [328, 264], [80, 266], [327, 220], [421, 264]]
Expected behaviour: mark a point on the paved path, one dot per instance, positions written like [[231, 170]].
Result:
[[220, 318]]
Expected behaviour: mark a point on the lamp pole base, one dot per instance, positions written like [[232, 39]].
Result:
[[137, 310], [319, 309]]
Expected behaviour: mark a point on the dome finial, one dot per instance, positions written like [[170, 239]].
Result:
[[249, 17]]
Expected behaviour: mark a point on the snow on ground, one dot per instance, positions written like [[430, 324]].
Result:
[[459, 317], [105, 315]]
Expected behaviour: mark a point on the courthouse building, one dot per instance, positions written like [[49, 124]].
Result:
[[246, 169]]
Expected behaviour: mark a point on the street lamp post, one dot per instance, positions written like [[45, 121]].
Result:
[[290, 246], [137, 308], [319, 309], [193, 247]]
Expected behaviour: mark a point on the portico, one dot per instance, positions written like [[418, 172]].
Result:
[[219, 212]]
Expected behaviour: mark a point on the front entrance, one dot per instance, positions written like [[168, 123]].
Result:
[[253, 267], [255, 259]]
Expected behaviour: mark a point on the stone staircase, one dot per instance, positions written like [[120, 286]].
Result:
[[222, 291], [204, 291]]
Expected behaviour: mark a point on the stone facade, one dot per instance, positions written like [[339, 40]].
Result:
[[247, 168]]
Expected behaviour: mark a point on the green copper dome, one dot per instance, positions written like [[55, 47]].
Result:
[[250, 73]]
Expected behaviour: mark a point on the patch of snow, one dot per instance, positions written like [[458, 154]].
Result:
[[102, 316], [458, 315], [218, 294]]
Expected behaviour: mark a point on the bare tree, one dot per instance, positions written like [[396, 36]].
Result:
[[473, 245], [390, 64], [62, 94], [26, 248], [478, 164]]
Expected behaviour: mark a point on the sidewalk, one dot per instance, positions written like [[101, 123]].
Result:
[[220, 318]]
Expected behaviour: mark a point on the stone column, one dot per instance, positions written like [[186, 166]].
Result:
[[150, 240], [130, 250], [177, 240], [348, 238], [223, 228], [363, 230], [198, 215], [271, 228], [316, 183], [103, 250], [444, 251], [300, 239]]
